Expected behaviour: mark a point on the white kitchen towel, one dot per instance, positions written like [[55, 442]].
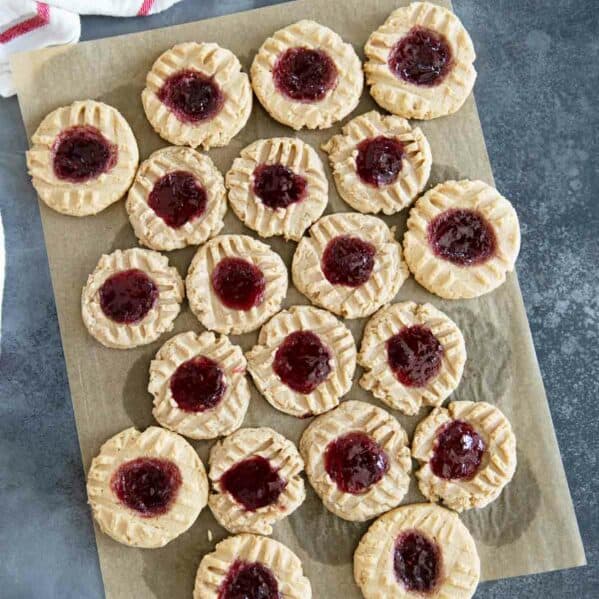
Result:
[[114, 8], [28, 25]]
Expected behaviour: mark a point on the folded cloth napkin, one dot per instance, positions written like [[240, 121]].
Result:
[[114, 8], [28, 25]]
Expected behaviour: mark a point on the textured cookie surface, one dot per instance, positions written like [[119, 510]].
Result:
[[187, 361], [497, 462], [289, 176], [386, 566], [331, 373], [259, 561], [341, 92], [177, 199], [82, 158], [209, 308], [380, 163], [463, 238], [197, 95], [111, 471], [162, 292], [372, 263], [381, 443], [256, 480], [413, 355], [420, 62]]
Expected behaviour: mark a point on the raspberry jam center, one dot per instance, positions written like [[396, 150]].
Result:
[[147, 485], [177, 198], [278, 186], [304, 74], [253, 483], [192, 96], [302, 361], [348, 261], [463, 237], [414, 355], [457, 452], [239, 284], [249, 581], [127, 296], [379, 160], [355, 462], [417, 562], [198, 384], [81, 154], [422, 57]]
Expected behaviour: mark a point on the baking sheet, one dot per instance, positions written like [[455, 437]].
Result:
[[530, 528]]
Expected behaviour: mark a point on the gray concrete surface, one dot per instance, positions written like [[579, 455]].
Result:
[[537, 95]]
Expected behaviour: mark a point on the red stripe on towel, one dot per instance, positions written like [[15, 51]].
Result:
[[41, 18], [146, 7]]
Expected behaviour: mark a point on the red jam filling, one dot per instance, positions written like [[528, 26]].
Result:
[[379, 160], [198, 384], [246, 580], [239, 284], [457, 452], [355, 462], [348, 261], [127, 296], [278, 186], [253, 483], [82, 153], [417, 562], [302, 361], [304, 74], [192, 96], [147, 485], [463, 237], [177, 198], [422, 57], [414, 355]]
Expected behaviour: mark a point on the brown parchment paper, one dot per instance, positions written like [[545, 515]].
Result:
[[530, 528]]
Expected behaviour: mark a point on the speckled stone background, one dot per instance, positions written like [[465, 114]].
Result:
[[538, 64]]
